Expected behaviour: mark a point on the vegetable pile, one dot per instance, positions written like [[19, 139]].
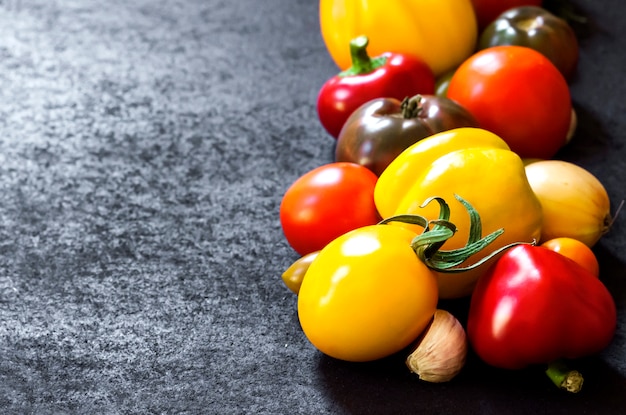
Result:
[[447, 118]]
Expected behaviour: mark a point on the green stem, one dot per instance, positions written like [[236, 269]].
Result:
[[412, 107], [362, 64], [564, 377], [436, 232]]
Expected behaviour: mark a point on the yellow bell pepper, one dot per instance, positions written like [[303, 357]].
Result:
[[478, 166], [443, 33]]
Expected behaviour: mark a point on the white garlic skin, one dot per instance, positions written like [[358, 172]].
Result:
[[441, 352]]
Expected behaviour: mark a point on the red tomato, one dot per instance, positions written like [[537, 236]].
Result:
[[327, 202], [575, 250], [518, 94], [488, 10]]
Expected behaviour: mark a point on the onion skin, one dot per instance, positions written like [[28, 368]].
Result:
[[575, 204]]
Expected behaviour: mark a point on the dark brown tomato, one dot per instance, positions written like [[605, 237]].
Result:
[[538, 29], [379, 130]]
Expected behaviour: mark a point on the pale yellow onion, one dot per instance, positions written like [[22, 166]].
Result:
[[574, 201]]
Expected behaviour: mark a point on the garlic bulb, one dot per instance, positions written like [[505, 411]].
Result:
[[441, 352]]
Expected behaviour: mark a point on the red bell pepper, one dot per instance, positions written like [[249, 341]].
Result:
[[390, 75], [536, 306]]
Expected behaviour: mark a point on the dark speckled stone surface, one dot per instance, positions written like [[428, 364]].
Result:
[[144, 150]]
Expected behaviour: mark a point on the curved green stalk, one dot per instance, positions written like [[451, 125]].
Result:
[[427, 245]]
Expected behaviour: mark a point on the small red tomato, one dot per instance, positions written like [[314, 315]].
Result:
[[575, 250], [487, 10], [518, 94], [327, 202]]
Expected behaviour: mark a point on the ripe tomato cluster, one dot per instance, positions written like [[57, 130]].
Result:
[[376, 254], [510, 87]]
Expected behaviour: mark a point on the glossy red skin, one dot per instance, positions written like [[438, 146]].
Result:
[[488, 10], [400, 76], [327, 202], [518, 94], [535, 306]]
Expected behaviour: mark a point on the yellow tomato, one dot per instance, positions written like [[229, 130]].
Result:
[[403, 171], [493, 181], [367, 295], [443, 33]]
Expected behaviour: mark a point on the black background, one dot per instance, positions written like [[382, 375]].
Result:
[[144, 150]]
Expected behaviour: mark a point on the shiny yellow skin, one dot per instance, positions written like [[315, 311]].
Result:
[[443, 33], [493, 181], [367, 295], [402, 172]]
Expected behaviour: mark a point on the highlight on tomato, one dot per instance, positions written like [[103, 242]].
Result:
[[518, 94], [327, 202], [352, 307]]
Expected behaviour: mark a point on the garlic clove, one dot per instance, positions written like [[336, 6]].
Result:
[[441, 351]]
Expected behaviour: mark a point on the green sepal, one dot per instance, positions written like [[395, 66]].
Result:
[[476, 226], [362, 64], [407, 218], [428, 244]]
